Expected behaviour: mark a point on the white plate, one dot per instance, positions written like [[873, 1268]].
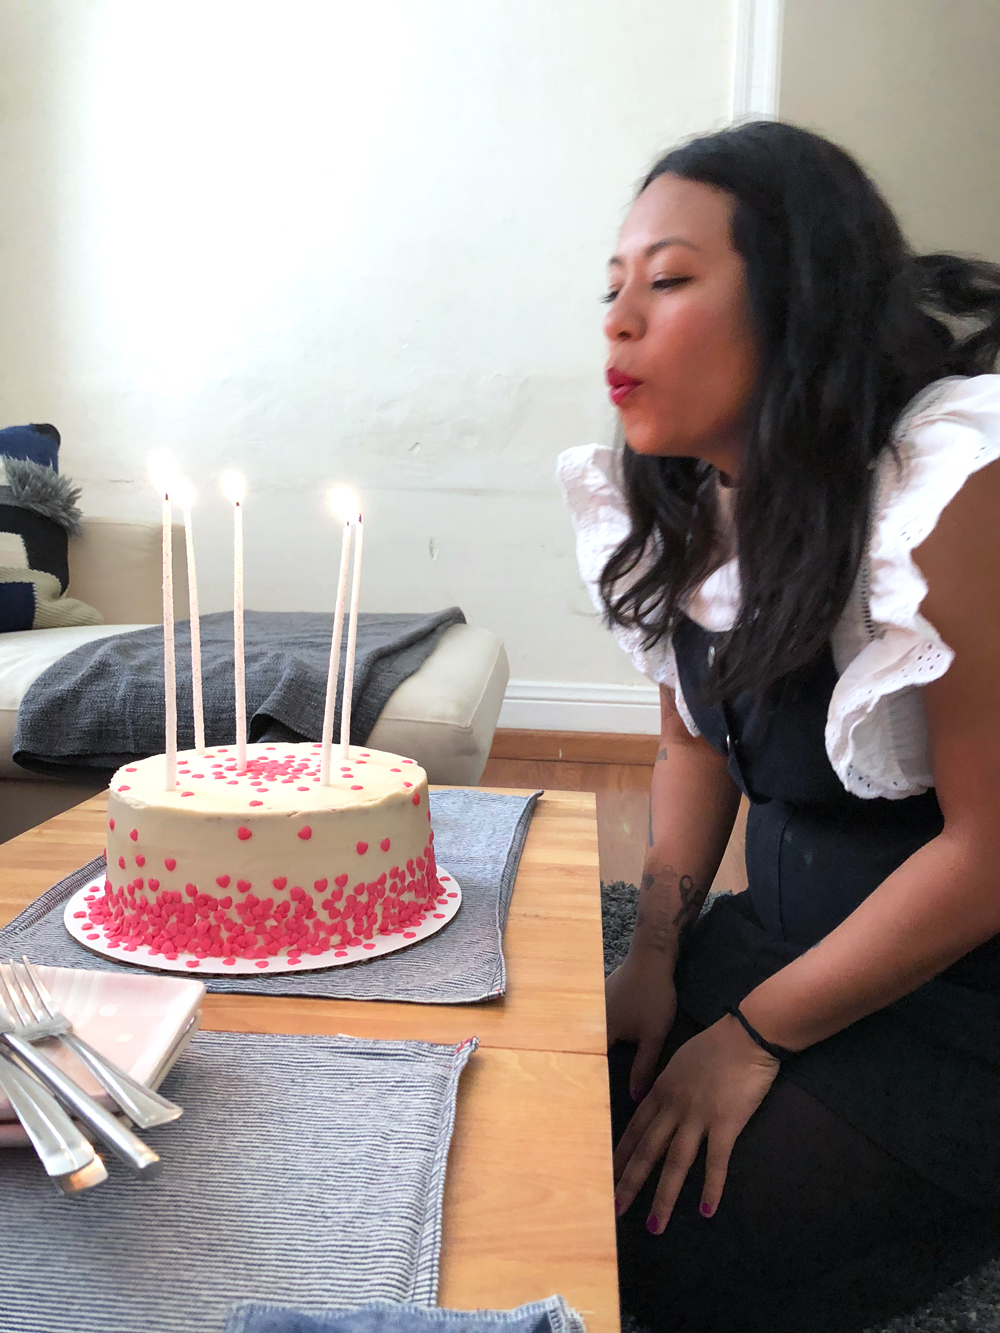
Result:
[[93, 937], [141, 1023]]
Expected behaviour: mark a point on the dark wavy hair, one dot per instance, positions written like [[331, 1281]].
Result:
[[851, 324]]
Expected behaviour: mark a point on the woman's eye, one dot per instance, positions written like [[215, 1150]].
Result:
[[608, 297], [664, 284]]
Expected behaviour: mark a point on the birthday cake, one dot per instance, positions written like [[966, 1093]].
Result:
[[268, 862]]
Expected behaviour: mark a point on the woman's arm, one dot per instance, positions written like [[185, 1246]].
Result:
[[693, 805], [692, 808], [945, 899]]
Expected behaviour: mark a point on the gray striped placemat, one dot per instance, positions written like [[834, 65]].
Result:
[[307, 1170], [479, 837]]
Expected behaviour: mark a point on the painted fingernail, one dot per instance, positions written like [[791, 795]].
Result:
[[707, 1209], [619, 1207], [652, 1223], [639, 1093]]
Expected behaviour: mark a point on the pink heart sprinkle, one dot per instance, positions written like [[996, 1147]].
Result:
[[124, 787], [187, 793], [280, 882], [305, 833], [368, 946], [407, 784], [140, 860], [170, 863], [111, 825], [263, 963], [222, 881], [340, 881], [320, 885], [384, 844], [244, 885], [357, 789], [121, 863], [93, 937], [256, 802], [228, 962], [409, 935], [190, 962], [134, 835], [243, 834], [340, 953], [416, 798], [362, 848]]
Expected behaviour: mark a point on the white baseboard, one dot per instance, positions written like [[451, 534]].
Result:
[[555, 705]]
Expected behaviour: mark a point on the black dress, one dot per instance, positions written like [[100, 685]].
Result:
[[869, 1176], [921, 1077]]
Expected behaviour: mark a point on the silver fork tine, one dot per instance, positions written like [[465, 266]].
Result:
[[41, 990], [140, 1103], [11, 995]]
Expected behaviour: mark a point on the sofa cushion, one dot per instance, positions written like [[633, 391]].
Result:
[[24, 656]]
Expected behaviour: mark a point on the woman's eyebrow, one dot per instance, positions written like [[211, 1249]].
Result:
[[655, 248]]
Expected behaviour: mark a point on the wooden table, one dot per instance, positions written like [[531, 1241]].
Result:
[[528, 1199]]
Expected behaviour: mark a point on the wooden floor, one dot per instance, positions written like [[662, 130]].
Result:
[[619, 775]]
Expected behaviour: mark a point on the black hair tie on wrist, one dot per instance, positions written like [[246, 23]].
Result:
[[779, 1052]]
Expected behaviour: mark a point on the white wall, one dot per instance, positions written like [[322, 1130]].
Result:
[[329, 241], [912, 88]]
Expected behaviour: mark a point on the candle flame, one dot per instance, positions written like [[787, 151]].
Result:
[[345, 504], [183, 492], [233, 488], [161, 472]]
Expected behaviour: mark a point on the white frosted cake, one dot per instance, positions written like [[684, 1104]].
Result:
[[269, 862]]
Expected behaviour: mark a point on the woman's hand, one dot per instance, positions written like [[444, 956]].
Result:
[[641, 1006], [710, 1089]]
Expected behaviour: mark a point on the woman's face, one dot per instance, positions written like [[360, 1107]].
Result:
[[682, 351]]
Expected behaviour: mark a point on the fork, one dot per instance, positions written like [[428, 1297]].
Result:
[[63, 1151], [40, 1019], [119, 1138]]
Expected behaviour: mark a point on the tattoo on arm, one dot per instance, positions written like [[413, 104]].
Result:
[[662, 927]]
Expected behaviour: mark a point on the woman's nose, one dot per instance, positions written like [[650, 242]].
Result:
[[623, 322]]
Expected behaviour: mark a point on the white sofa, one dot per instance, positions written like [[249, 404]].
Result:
[[443, 716]]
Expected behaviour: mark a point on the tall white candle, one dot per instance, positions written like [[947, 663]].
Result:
[[344, 505], [184, 495], [352, 640], [161, 480], [233, 488]]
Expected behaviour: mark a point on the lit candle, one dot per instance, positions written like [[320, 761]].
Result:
[[160, 473], [184, 495], [234, 491], [345, 505], [352, 639]]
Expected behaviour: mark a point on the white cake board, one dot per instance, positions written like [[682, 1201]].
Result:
[[93, 938]]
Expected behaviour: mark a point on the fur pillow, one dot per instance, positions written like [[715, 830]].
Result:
[[38, 515]]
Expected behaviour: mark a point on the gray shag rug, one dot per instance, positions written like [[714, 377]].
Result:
[[970, 1306]]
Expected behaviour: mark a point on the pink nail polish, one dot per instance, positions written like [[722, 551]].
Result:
[[652, 1223], [707, 1210]]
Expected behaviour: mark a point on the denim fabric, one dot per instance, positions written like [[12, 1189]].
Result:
[[548, 1316]]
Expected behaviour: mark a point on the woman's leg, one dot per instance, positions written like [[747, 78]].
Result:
[[818, 1227]]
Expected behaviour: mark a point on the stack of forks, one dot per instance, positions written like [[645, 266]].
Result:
[[39, 1090]]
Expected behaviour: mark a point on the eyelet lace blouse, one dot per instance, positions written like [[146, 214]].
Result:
[[884, 650]]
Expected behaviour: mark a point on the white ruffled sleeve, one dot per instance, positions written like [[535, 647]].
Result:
[[588, 477], [884, 649]]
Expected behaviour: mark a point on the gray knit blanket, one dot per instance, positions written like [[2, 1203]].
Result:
[[101, 705]]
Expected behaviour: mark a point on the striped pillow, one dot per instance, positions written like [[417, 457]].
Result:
[[38, 515]]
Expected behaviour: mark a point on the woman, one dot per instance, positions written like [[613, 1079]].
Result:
[[799, 543]]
